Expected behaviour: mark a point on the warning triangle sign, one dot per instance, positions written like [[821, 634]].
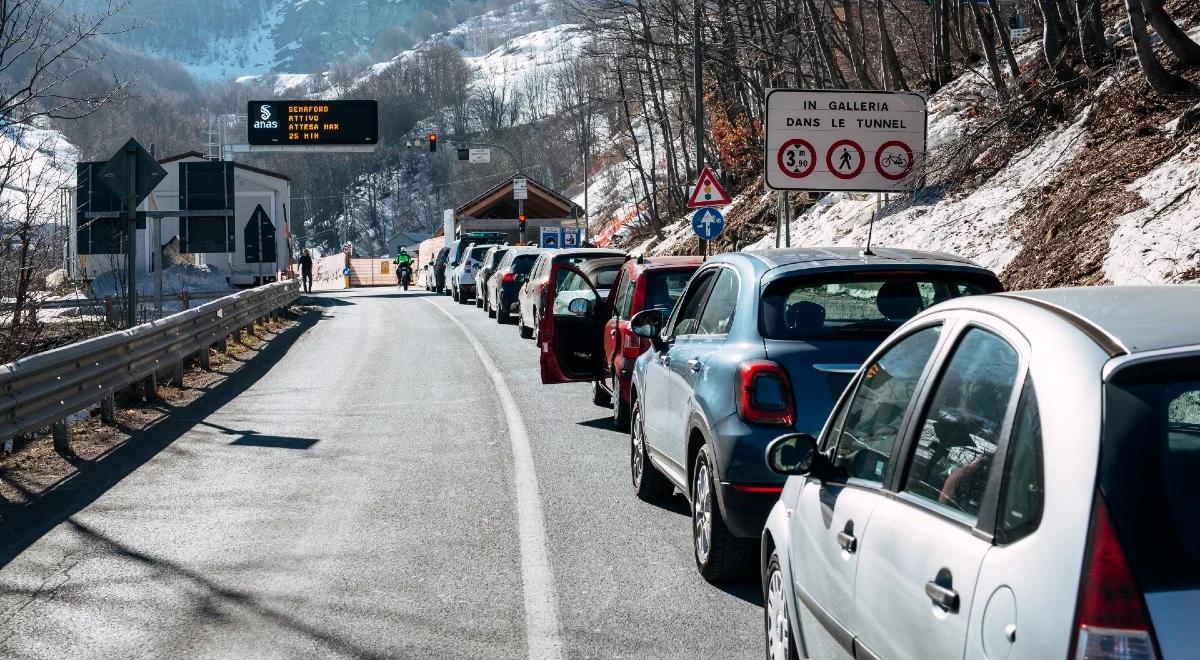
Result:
[[708, 191]]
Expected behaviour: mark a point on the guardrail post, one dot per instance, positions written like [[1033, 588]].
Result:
[[108, 311], [177, 375], [150, 387], [250, 329], [237, 336], [61, 437], [203, 359], [185, 300], [107, 410]]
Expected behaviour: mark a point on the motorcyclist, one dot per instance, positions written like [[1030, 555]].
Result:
[[403, 264]]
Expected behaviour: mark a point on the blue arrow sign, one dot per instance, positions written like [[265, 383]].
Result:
[[708, 223]]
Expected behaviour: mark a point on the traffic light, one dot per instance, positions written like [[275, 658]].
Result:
[[521, 222], [433, 141]]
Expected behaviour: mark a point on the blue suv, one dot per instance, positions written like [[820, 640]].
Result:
[[762, 343]]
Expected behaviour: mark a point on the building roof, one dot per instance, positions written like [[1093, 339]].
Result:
[[236, 165], [498, 202], [1139, 318]]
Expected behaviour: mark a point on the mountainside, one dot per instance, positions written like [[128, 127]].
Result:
[[221, 39]]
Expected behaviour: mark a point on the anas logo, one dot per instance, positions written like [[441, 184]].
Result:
[[264, 113]]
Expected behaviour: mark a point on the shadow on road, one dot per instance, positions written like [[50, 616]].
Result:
[[23, 525], [310, 300], [603, 423]]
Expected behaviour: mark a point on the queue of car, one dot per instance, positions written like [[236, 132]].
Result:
[[913, 462]]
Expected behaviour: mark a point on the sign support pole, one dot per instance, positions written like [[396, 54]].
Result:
[[785, 219], [871, 223], [131, 243], [698, 77]]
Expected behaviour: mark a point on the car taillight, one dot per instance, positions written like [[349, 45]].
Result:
[[631, 345], [1111, 622], [764, 394], [508, 278]]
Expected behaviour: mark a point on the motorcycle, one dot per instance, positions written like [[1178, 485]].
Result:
[[405, 274]]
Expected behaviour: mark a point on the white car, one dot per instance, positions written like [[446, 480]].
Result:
[[462, 278], [1007, 476]]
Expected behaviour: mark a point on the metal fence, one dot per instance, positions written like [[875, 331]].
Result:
[[44, 389]]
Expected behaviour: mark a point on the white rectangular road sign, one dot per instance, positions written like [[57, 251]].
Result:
[[480, 155], [844, 140], [520, 189]]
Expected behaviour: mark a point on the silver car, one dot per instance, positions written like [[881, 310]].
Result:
[[1007, 476]]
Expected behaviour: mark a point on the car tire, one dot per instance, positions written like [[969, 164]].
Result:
[[478, 301], [777, 626], [720, 556], [526, 333], [620, 412], [600, 396], [491, 311], [463, 299], [501, 313], [648, 483]]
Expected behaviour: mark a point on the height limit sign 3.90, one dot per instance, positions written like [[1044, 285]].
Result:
[[856, 141]]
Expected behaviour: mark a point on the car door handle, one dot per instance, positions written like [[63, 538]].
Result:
[[848, 542], [694, 364], [944, 597]]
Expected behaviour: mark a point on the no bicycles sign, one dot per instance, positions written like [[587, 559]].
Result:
[[858, 141]]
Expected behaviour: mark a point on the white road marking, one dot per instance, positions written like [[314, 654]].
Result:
[[537, 578]]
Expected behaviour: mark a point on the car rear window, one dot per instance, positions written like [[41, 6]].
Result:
[[605, 277], [664, 289], [576, 259], [523, 263], [864, 305], [1150, 470], [478, 253]]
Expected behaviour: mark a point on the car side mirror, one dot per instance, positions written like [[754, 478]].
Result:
[[793, 454], [649, 324], [580, 307]]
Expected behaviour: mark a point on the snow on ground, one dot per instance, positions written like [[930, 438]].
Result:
[[176, 280], [250, 54], [46, 162], [1156, 244]]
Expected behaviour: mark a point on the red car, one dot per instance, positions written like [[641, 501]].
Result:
[[595, 341]]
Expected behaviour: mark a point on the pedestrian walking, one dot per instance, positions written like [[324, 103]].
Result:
[[306, 271]]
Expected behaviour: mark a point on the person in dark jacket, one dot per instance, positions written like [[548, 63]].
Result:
[[306, 271]]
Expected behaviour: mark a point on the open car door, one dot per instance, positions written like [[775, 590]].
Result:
[[571, 331]]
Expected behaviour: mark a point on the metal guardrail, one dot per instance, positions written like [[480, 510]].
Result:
[[43, 389]]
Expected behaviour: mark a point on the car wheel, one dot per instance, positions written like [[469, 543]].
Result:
[[501, 313], [463, 299], [620, 412], [491, 311], [526, 332], [648, 483], [600, 396], [781, 645], [719, 554], [537, 326]]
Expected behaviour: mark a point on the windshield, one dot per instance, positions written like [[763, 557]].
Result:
[[663, 289], [801, 308], [478, 253], [1150, 470]]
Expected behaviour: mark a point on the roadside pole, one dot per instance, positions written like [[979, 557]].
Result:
[[131, 241], [698, 77]]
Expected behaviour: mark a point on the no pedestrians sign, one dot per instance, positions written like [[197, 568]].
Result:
[[846, 140]]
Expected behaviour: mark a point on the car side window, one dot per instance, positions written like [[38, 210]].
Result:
[[722, 301], [1023, 486], [692, 304], [871, 423], [624, 295], [960, 432]]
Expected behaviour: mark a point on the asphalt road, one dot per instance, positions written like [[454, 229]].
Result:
[[370, 485]]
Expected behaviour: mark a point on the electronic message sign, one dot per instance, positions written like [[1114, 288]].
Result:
[[312, 123]]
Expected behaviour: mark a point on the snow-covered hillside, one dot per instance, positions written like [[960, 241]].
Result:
[[43, 163], [990, 220]]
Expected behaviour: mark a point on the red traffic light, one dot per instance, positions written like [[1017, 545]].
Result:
[[433, 141]]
